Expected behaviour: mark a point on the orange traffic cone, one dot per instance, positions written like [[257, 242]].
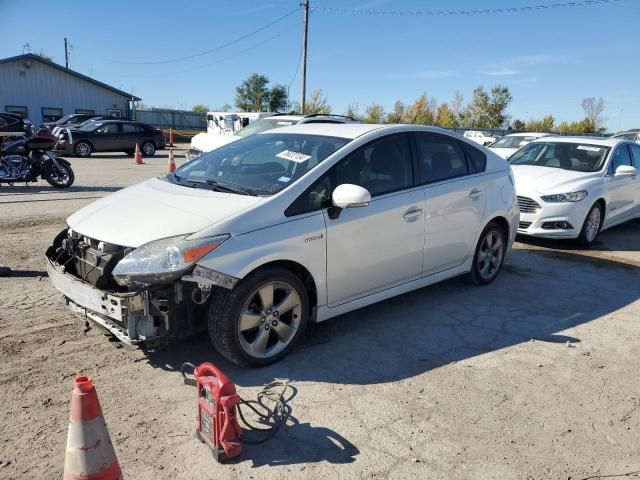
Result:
[[90, 454], [171, 165], [138, 156]]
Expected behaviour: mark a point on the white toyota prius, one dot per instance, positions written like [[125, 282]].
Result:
[[259, 237], [574, 187]]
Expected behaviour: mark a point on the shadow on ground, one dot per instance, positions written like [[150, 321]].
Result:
[[539, 295]]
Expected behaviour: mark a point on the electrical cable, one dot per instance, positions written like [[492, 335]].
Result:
[[275, 415], [211, 50], [429, 13], [295, 74]]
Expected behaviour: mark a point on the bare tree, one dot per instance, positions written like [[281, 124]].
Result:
[[593, 109], [317, 103]]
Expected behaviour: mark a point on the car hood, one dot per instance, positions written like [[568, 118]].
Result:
[[504, 152], [155, 209], [546, 180], [205, 142]]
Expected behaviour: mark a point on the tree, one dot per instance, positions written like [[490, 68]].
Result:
[[317, 104], [374, 114], [518, 124], [593, 109], [200, 108], [252, 95], [398, 113], [498, 103], [422, 111], [545, 124], [352, 111], [445, 116], [278, 98], [488, 109], [457, 105]]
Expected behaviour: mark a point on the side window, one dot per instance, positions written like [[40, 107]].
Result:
[[316, 197], [381, 167], [635, 152], [440, 158], [131, 128], [477, 160], [620, 157], [110, 128]]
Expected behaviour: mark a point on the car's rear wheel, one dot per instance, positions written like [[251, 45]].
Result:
[[591, 226], [489, 255], [82, 149], [148, 149], [261, 319]]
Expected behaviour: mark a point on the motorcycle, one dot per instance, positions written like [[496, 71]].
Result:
[[26, 159]]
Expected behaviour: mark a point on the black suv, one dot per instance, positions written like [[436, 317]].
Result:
[[110, 136]]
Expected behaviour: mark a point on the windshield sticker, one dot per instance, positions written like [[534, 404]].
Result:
[[293, 156], [588, 148], [284, 179], [285, 124]]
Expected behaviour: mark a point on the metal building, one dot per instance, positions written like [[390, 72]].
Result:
[[43, 91]]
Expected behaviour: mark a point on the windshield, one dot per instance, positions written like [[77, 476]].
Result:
[[258, 165], [515, 141], [89, 126], [263, 125], [579, 157]]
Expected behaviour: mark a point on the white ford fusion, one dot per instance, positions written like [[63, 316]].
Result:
[[574, 187], [259, 237]]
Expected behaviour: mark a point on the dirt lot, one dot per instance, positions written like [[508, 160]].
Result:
[[534, 377]]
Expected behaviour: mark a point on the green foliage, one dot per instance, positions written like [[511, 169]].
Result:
[[445, 116], [422, 111], [545, 124], [398, 113], [374, 114], [488, 109], [518, 124], [317, 104], [254, 95], [200, 108]]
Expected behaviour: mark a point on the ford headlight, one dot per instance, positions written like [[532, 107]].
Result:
[[163, 260], [565, 197]]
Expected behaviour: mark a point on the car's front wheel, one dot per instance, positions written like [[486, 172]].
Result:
[[261, 319], [82, 149], [489, 255], [591, 226], [148, 149]]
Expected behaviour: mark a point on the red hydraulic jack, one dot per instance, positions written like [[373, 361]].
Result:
[[217, 422], [219, 411]]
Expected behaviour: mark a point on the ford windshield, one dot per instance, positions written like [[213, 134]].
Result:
[[258, 165], [579, 157]]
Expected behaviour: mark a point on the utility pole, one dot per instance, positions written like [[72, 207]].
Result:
[[66, 54], [303, 100]]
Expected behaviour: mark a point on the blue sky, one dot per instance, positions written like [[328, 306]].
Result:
[[549, 59]]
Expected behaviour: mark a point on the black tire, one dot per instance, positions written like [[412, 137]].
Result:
[[477, 275], [227, 306], [148, 149], [82, 149], [63, 178], [587, 236]]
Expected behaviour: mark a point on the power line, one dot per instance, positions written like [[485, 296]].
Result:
[[434, 13], [295, 74], [215, 49], [223, 59]]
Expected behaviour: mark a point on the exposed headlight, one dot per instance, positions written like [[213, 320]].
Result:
[[163, 260], [565, 197]]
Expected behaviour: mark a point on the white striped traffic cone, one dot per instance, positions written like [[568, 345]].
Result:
[[90, 454]]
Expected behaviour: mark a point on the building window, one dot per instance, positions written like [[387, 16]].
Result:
[[114, 112], [22, 111], [51, 114], [87, 112]]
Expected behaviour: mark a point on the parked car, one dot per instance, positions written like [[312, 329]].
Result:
[[482, 138], [575, 187], [509, 144], [633, 135], [13, 123], [258, 238], [205, 142], [72, 120], [110, 136]]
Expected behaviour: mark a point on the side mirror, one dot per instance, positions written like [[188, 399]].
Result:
[[625, 171], [350, 196]]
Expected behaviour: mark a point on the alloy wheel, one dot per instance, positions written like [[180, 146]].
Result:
[[148, 149], [490, 255], [269, 319], [83, 149], [592, 226]]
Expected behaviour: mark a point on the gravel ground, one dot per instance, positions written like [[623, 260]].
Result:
[[533, 377]]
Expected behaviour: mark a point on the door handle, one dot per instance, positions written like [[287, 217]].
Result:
[[411, 214], [476, 192]]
